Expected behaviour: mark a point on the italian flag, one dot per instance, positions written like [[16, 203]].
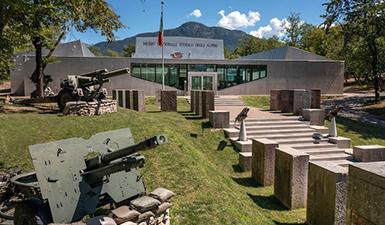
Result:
[[160, 35]]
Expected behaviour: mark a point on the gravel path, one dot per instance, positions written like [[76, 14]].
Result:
[[352, 104]]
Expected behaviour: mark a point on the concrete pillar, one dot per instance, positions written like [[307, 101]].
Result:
[[366, 194], [192, 101], [120, 98], [315, 116], [315, 99], [287, 101], [326, 194], [301, 100], [369, 153], [341, 142], [263, 161], [138, 100], [207, 103], [197, 102], [114, 94], [275, 100], [245, 161], [219, 119], [290, 177], [168, 101], [128, 100]]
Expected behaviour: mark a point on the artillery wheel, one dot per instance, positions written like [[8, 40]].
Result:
[[32, 212], [63, 97]]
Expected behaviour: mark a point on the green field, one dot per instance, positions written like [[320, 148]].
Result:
[[210, 189]]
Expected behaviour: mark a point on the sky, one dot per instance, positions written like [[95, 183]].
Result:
[[261, 18]]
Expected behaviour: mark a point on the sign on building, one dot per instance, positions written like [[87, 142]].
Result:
[[179, 48]]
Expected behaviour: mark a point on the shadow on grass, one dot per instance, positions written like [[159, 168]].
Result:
[[244, 181], [279, 223], [365, 130], [237, 169], [153, 111], [222, 145], [268, 202]]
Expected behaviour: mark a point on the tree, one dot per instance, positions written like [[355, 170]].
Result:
[[363, 22], [112, 53], [40, 21], [294, 28], [128, 50], [253, 45], [95, 50]]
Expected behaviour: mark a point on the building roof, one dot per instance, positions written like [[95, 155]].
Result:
[[69, 49], [286, 53]]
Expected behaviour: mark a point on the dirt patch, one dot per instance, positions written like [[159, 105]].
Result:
[[45, 108]]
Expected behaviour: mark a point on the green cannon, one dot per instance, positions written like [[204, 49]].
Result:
[[86, 87], [74, 177]]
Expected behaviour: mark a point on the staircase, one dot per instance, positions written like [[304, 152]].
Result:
[[228, 101], [290, 131]]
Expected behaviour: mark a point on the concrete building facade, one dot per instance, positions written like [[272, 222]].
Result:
[[285, 68]]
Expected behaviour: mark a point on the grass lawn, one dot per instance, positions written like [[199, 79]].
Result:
[[261, 102], [210, 189]]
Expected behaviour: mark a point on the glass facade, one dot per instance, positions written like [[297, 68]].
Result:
[[176, 74]]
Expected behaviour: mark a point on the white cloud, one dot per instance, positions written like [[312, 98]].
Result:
[[275, 27], [235, 19], [196, 13]]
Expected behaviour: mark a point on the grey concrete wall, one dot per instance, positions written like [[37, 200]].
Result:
[[328, 76], [324, 75], [21, 84]]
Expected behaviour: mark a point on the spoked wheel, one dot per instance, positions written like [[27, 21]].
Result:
[[32, 212]]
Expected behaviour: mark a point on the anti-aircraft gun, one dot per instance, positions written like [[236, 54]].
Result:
[[86, 87], [74, 177]]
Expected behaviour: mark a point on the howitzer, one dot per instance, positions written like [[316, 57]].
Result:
[[86, 87], [74, 177]]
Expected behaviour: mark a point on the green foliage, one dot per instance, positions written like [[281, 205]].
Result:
[[95, 50], [253, 45], [363, 25], [112, 53], [128, 50], [294, 29]]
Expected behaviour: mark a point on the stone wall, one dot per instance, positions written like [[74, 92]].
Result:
[[90, 108]]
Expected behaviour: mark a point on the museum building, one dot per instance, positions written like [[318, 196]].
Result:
[[190, 64]]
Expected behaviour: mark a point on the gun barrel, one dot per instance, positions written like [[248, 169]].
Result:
[[117, 72], [144, 145], [94, 73]]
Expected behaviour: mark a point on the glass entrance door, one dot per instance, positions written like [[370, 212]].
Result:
[[202, 81]]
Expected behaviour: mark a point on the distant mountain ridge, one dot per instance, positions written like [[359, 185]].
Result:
[[231, 38]]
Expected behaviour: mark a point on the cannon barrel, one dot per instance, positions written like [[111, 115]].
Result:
[[115, 73], [94, 73], [144, 145]]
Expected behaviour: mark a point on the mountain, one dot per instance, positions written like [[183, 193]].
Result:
[[230, 38]]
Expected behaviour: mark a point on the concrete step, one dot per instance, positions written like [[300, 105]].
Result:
[[310, 146], [295, 140], [321, 151], [274, 127], [272, 123], [343, 163], [284, 118], [283, 136], [279, 131], [331, 157]]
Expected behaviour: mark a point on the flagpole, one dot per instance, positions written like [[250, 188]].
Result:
[[163, 87]]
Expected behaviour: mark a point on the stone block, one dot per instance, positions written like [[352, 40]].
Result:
[[207, 103], [198, 102], [114, 94], [168, 101], [326, 194], [120, 98], [290, 177], [192, 101], [369, 153], [341, 142], [231, 133], [320, 129], [138, 100], [263, 161], [315, 116], [243, 146], [128, 99], [287, 101], [301, 100], [245, 161], [315, 99], [219, 119], [366, 194], [275, 100]]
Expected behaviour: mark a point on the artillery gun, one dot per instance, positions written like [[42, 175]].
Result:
[[86, 87], [74, 177]]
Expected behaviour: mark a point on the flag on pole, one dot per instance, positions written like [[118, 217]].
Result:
[[160, 35]]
